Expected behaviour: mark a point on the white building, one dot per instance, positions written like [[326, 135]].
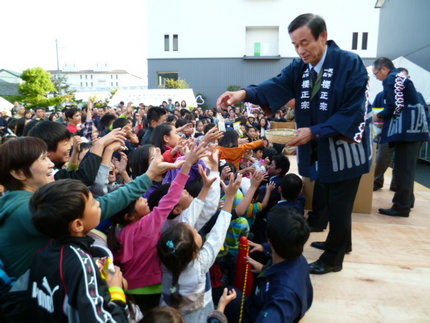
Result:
[[99, 80]]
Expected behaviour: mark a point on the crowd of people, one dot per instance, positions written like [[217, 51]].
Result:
[[157, 199], [135, 213]]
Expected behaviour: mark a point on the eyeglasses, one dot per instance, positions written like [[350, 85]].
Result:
[[377, 72]]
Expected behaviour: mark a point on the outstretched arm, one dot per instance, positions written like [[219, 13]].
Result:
[[229, 98]]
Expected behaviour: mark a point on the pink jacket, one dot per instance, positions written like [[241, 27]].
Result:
[[138, 258]]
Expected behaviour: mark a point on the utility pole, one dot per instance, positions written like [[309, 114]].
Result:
[[58, 67]]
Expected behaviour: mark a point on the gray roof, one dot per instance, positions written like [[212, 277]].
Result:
[[16, 74], [8, 88]]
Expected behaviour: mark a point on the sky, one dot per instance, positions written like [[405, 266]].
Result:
[[87, 32]]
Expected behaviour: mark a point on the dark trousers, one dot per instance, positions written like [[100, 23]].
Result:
[[405, 164], [318, 217], [384, 157], [340, 199]]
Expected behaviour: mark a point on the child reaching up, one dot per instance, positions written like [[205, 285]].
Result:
[[134, 247], [249, 206], [231, 150], [166, 137], [187, 261]]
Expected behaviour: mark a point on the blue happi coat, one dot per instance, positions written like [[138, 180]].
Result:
[[343, 107], [405, 115]]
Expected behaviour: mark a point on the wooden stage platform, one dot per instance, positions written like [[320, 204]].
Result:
[[386, 277]]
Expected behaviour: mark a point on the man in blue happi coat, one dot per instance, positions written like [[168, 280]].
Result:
[[332, 116], [405, 128]]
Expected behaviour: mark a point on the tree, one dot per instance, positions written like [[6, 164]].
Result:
[[37, 88], [176, 84], [233, 88], [61, 85]]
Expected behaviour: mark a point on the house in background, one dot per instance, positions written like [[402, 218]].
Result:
[[100, 80], [9, 81]]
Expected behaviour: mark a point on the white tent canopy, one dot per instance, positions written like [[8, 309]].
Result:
[[419, 76], [5, 106], [154, 97]]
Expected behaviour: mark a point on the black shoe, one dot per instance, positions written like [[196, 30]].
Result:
[[320, 268], [314, 229], [392, 212], [376, 187], [321, 245], [318, 244]]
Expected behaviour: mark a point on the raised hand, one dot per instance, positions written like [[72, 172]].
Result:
[[229, 98], [188, 126], [211, 135], [233, 185], [257, 178], [158, 166], [207, 182], [270, 186], [194, 154], [121, 165], [114, 135]]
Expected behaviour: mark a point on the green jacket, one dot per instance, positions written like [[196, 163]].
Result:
[[19, 239]]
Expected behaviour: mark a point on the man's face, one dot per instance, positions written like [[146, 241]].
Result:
[[272, 170], [381, 73], [40, 113], [311, 50]]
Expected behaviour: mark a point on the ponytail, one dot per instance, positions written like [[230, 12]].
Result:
[[176, 249]]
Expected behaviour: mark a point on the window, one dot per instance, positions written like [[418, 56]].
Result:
[[111, 77], [116, 83], [91, 83], [162, 76], [86, 83], [111, 83], [81, 82], [166, 43], [354, 40], [175, 43], [364, 41], [86, 77], [81, 77], [91, 76], [116, 76], [262, 41]]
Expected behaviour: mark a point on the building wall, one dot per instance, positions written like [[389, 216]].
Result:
[[404, 30], [212, 76], [219, 28], [219, 41]]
